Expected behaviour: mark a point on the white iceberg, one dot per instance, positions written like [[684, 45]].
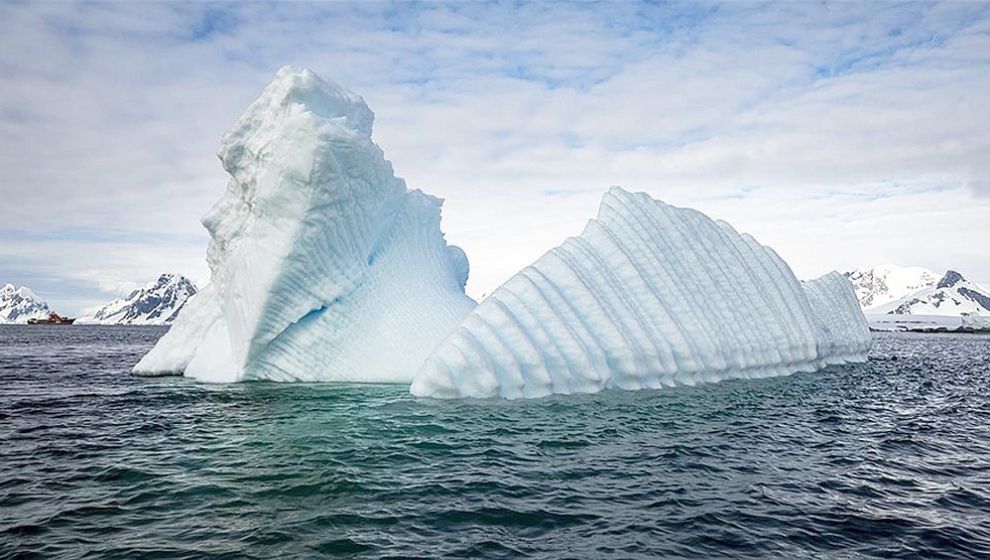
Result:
[[324, 266], [648, 296]]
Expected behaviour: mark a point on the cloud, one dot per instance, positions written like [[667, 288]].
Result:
[[839, 134], [74, 273], [979, 186]]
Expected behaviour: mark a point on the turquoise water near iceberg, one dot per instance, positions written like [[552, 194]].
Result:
[[885, 459]]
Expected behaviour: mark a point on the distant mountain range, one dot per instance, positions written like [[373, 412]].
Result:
[[895, 290], [882, 290], [17, 305], [882, 284], [157, 303]]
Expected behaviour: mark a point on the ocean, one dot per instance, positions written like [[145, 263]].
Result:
[[889, 459]]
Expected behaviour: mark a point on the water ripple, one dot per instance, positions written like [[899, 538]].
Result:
[[890, 459]]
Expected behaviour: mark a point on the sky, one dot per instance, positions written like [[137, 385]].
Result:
[[840, 134]]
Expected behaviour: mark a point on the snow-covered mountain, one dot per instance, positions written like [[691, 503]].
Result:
[[953, 294], [157, 303], [17, 305], [885, 283]]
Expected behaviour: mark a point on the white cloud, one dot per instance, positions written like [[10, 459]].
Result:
[[838, 134]]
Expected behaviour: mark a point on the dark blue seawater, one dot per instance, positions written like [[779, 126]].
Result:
[[889, 460]]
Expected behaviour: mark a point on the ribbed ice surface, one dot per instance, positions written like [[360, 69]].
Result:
[[324, 266], [841, 332], [649, 295]]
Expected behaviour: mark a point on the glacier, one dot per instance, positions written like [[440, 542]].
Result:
[[323, 265], [648, 296], [326, 267]]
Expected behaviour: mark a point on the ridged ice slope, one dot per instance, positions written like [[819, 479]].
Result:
[[648, 296], [843, 334], [184, 340]]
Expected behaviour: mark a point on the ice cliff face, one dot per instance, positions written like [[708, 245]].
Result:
[[157, 303], [324, 266], [648, 296], [17, 305]]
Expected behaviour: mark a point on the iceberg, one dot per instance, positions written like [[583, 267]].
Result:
[[324, 266], [648, 296]]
